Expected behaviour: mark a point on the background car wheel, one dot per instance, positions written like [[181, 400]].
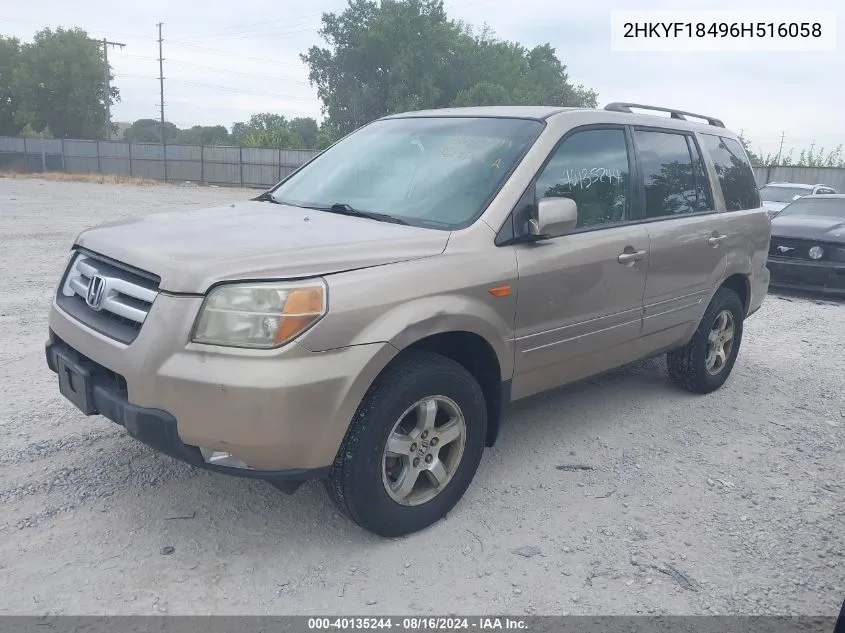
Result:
[[704, 364], [413, 447]]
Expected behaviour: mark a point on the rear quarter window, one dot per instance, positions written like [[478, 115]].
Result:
[[733, 171]]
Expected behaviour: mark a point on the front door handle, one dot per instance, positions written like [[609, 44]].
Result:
[[629, 257], [716, 240]]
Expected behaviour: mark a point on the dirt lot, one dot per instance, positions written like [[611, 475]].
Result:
[[730, 503]]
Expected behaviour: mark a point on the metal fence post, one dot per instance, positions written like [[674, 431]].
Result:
[[99, 165], [241, 164], [129, 146], [64, 165], [164, 155], [280, 165], [202, 164], [43, 157]]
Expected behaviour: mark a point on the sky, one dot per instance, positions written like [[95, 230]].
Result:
[[223, 64]]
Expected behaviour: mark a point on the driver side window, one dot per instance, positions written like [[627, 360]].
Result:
[[591, 168]]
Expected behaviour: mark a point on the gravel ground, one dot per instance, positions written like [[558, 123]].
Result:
[[731, 503]]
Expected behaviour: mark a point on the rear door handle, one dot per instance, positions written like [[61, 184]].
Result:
[[629, 257], [716, 240]]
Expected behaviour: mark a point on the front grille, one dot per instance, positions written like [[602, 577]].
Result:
[[790, 248], [107, 296]]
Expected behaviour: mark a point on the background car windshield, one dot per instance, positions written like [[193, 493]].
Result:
[[436, 171], [782, 194], [819, 207]]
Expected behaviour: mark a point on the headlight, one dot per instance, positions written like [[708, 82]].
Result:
[[816, 252], [260, 315]]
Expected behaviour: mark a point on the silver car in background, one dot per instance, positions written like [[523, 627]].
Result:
[[776, 195]]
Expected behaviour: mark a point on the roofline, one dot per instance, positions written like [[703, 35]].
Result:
[[430, 114], [421, 115], [678, 119]]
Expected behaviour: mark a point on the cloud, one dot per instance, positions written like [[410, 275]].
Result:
[[225, 61]]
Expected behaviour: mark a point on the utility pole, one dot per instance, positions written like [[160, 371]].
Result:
[[780, 149], [161, 82], [106, 43]]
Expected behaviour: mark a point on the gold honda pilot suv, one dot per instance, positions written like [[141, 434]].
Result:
[[368, 320]]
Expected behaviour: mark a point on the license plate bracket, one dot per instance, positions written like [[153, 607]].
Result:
[[75, 384]]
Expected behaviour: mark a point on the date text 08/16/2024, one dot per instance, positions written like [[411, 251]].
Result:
[[416, 623]]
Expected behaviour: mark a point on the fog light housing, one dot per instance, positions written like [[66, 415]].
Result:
[[816, 252]]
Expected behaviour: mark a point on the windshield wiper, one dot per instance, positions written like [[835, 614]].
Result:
[[267, 197], [342, 208]]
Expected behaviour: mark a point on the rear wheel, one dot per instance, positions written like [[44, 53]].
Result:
[[413, 447], [704, 364]]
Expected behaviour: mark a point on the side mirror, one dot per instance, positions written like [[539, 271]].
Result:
[[555, 217]]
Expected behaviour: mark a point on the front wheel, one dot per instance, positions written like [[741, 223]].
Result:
[[704, 364], [413, 447]]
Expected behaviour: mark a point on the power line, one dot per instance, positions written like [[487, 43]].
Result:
[[235, 55], [264, 32], [243, 27], [249, 28], [111, 33], [229, 89], [223, 70]]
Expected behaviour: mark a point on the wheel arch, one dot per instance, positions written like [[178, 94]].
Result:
[[475, 354], [741, 285]]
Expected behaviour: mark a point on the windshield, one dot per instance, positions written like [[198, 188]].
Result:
[[435, 171], [818, 207], [782, 194]]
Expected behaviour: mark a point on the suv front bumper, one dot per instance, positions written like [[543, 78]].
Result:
[[277, 414], [106, 396]]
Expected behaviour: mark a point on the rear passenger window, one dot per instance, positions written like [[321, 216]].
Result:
[[704, 201], [673, 184], [734, 171], [590, 167]]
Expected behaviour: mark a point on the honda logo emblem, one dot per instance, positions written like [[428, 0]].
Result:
[[96, 292]]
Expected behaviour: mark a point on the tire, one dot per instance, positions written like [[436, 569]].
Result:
[[688, 367], [363, 469]]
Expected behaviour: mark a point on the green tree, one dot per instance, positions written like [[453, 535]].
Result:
[[306, 129], [267, 129], [60, 84], [10, 52], [324, 140], [30, 132], [149, 131], [203, 135], [401, 55]]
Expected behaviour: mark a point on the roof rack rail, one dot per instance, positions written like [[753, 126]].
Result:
[[618, 106]]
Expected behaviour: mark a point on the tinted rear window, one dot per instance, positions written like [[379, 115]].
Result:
[[734, 171], [668, 174]]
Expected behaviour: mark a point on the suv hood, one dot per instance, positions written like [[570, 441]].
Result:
[[809, 227], [191, 250]]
